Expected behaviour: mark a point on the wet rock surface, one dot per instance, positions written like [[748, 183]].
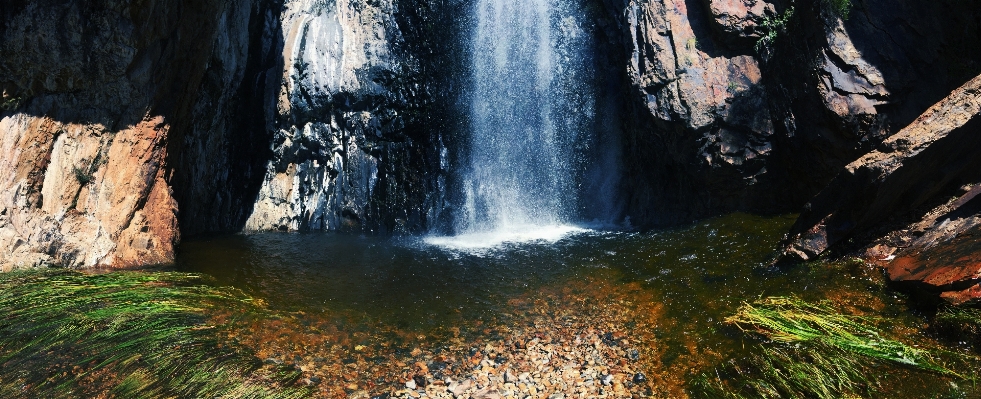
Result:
[[938, 255], [347, 150], [125, 125]]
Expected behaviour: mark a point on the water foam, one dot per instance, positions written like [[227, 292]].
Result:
[[481, 242]]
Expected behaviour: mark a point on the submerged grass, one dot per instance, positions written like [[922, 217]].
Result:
[[810, 351], [961, 324], [129, 334]]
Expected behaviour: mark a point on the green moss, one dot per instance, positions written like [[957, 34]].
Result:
[[67, 334]]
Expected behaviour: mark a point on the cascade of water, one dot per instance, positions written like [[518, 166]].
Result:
[[530, 105]]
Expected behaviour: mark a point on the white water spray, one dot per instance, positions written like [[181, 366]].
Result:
[[530, 108]]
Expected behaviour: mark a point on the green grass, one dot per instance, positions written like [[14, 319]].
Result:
[[129, 334], [810, 351]]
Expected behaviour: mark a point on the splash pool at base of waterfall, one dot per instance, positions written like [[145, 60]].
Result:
[[405, 317]]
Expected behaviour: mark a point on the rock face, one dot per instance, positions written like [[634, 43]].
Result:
[[932, 156], [125, 124], [716, 122], [344, 156], [91, 93], [951, 269]]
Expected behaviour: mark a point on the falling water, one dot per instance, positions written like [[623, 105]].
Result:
[[529, 107]]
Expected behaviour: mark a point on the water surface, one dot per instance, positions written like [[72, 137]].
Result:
[[697, 275]]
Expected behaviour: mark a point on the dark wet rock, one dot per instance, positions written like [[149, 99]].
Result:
[[639, 378], [420, 381], [931, 157], [633, 354], [437, 365]]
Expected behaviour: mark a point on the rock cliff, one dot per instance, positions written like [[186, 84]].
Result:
[[92, 92], [753, 105], [125, 124], [348, 149], [911, 203]]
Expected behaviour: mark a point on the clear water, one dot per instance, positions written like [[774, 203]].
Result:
[[698, 275]]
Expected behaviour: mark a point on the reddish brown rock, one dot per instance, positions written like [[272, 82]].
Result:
[[951, 268], [969, 295], [101, 200], [740, 18], [83, 149]]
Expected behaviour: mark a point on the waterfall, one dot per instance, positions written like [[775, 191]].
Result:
[[530, 106]]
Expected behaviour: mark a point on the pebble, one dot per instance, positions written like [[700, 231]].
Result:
[[461, 388], [420, 381], [538, 355]]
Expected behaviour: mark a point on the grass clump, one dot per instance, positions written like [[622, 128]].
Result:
[[810, 351], [130, 334], [771, 27], [791, 320]]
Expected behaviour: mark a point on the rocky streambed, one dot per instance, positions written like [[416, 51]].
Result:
[[586, 339], [598, 315]]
